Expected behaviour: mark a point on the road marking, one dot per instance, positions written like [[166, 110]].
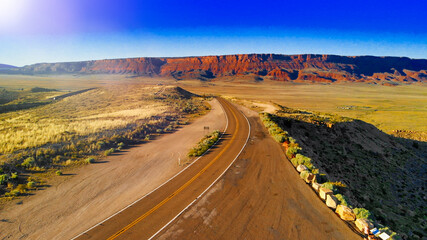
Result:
[[179, 189], [216, 180], [134, 202]]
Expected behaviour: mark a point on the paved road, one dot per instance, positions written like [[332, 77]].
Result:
[[146, 217]]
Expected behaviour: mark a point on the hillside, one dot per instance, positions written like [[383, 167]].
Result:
[[382, 173], [293, 68], [3, 66]]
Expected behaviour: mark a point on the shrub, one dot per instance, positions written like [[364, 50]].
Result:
[[343, 200], [294, 162], [362, 213], [90, 160], [301, 159], [304, 174], [204, 144], [22, 188], [14, 175], [4, 178], [29, 162], [13, 193], [292, 151], [109, 151], [31, 184], [329, 185], [120, 146], [58, 173]]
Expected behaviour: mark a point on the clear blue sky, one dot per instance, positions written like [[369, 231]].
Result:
[[34, 31]]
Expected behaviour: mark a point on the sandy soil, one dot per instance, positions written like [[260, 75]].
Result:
[[260, 197], [94, 192]]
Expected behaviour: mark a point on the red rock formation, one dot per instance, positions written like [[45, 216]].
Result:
[[301, 68]]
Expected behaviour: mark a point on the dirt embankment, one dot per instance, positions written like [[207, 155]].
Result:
[[92, 193]]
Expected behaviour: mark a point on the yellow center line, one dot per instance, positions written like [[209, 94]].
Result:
[[179, 189]]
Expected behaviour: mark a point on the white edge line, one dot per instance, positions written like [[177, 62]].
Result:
[[139, 199], [216, 180]]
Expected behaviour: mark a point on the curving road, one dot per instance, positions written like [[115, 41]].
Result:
[[260, 197], [147, 216]]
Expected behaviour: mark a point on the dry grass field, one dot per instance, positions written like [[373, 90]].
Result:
[[388, 108], [75, 129]]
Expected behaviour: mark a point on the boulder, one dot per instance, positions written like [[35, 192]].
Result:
[[323, 192], [301, 168], [316, 186], [361, 224], [331, 201], [310, 177], [345, 213]]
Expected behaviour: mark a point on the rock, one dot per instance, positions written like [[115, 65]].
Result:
[[345, 213], [310, 177], [323, 192], [316, 186], [361, 224], [301, 168], [331, 201]]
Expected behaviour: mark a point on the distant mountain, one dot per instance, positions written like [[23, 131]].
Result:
[[289, 68], [3, 66]]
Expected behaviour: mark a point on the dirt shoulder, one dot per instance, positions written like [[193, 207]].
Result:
[[94, 192]]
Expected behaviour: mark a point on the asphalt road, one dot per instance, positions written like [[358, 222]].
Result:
[[150, 214]]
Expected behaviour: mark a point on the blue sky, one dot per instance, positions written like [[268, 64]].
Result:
[[34, 31]]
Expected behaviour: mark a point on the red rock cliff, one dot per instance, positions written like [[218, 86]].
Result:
[[311, 68]]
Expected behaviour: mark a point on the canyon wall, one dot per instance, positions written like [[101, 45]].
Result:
[[298, 68]]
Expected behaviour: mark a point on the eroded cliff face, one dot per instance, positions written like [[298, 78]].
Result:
[[298, 68]]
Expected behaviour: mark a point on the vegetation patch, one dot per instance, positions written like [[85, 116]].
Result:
[[381, 173], [82, 127], [204, 144]]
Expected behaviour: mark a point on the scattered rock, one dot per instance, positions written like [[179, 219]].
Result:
[[301, 168], [361, 224], [345, 213], [316, 186], [310, 177], [331, 201], [323, 192]]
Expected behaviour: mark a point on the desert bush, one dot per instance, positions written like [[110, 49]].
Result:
[[29, 162], [329, 185], [292, 151], [109, 151], [89, 160], [13, 193], [301, 159], [204, 144], [343, 200], [14, 175], [31, 184], [304, 174], [58, 173], [120, 146], [4, 178], [362, 213], [22, 188]]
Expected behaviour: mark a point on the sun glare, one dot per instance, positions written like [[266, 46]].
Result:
[[12, 11]]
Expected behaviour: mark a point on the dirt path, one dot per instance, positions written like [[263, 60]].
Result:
[[260, 197], [99, 190]]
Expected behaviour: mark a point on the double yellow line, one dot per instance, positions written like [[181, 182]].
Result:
[[139, 219]]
